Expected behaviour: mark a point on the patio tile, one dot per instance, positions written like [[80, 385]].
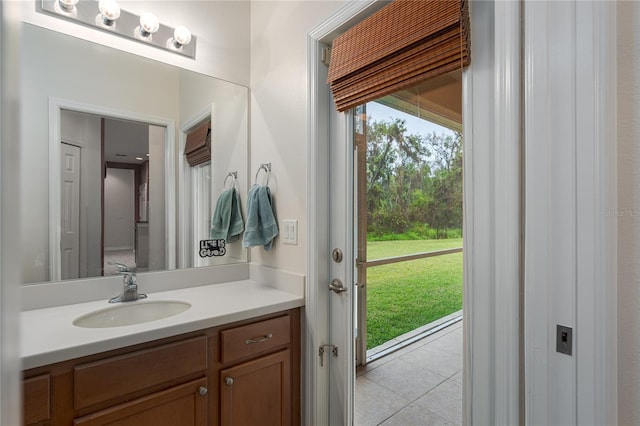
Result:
[[445, 364], [457, 377], [420, 384], [445, 400], [451, 343], [415, 415], [405, 378], [374, 403], [422, 342]]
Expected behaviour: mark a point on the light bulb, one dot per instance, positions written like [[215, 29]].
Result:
[[109, 10], [149, 24], [68, 5], [181, 36]]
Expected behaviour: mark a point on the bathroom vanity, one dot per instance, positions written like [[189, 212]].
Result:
[[232, 358]]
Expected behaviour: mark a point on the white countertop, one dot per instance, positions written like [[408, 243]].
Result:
[[48, 335]]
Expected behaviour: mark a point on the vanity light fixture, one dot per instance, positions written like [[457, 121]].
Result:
[[181, 37], [149, 24], [106, 15], [68, 6], [109, 12]]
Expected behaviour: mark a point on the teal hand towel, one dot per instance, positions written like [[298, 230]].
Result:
[[261, 222], [227, 223]]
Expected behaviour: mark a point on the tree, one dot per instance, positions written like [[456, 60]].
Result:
[[412, 180], [445, 209]]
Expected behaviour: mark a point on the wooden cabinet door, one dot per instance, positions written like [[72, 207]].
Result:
[[182, 405], [36, 399], [257, 392]]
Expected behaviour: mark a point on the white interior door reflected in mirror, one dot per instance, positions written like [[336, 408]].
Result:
[[70, 214]]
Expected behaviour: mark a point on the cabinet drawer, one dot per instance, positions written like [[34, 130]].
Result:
[[36, 399], [109, 378], [254, 338]]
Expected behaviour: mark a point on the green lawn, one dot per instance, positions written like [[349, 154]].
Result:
[[404, 296]]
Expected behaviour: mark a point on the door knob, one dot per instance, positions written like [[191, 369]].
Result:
[[336, 286], [228, 381]]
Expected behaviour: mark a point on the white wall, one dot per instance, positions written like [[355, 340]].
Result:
[[279, 113], [628, 110], [221, 28], [119, 207], [157, 184]]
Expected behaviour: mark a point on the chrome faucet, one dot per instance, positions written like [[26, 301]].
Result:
[[129, 286]]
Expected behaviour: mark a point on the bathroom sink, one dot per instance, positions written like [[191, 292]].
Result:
[[130, 313]]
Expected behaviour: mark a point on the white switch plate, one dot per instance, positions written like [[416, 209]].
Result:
[[289, 231]]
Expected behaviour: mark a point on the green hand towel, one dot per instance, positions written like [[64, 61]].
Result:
[[261, 222], [227, 223]]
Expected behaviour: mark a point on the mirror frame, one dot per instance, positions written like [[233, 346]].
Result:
[[56, 105]]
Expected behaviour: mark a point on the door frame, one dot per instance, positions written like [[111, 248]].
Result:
[[492, 136], [318, 253]]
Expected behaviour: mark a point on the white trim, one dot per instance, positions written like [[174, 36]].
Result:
[[596, 242], [69, 141], [55, 107], [316, 400], [316, 304], [571, 244], [508, 188], [492, 214]]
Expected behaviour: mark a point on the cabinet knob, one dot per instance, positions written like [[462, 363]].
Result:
[[203, 390], [228, 381]]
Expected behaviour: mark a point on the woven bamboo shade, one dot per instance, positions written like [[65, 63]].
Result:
[[198, 146], [404, 43]]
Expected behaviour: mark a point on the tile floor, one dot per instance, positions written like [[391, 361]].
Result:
[[419, 385]]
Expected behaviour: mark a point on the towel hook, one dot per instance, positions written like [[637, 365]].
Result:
[[267, 169], [233, 175]]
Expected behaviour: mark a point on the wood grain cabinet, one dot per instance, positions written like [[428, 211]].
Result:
[[179, 405], [36, 400], [237, 374], [257, 390]]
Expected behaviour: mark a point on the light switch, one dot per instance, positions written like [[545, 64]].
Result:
[[289, 232]]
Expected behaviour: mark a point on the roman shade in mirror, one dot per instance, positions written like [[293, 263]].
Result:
[[406, 42], [198, 146]]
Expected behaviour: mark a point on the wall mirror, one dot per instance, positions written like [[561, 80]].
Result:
[[103, 135]]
